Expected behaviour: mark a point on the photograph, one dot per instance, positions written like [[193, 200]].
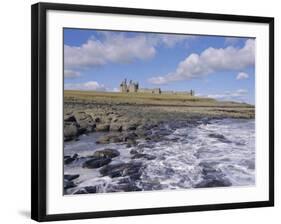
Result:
[[149, 111]]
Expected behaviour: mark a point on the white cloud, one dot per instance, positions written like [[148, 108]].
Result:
[[114, 48], [91, 85], [117, 48], [242, 75], [71, 74], [209, 61], [237, 95]]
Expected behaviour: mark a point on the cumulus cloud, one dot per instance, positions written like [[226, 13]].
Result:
[[209, 61], [91, 85], [117, 47], [237, 95], [242, 75], [71, 74]]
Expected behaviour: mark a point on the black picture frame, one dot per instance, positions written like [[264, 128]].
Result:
[[38, 108]]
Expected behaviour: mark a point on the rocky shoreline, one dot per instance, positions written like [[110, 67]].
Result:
[[134, 127]]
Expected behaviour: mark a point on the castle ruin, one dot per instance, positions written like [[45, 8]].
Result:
[[133, 87]]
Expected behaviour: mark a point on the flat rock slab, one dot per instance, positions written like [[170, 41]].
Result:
[[133, 170], [96, 163], [106, 153]]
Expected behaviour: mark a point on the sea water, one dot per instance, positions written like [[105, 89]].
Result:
[[223, 149]]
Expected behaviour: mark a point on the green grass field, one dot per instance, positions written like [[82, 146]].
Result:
[[146, 99]]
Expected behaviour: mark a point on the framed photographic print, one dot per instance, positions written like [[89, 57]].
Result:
[[139, 111]]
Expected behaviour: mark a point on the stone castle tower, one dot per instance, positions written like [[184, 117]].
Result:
[[131, 87]]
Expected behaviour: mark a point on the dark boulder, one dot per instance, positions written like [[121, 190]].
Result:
[[134, 151], [133, 170], [106, 153], [96, 163], [219, 137], [213, 183], [212, 176], [68, 184], [145, 156], [69, 118], [70, 159], [70, 177], [129, 136]]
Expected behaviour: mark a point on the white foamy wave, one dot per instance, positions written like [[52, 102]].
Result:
[[219, 153]]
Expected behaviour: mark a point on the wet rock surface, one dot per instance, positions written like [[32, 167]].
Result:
[[106, 153], [87, 190], [68, 184], [143, 155], [132, 170], [70, 159], [212, 177], [219, 137], [69, 177], [70, 131], [96, 163]]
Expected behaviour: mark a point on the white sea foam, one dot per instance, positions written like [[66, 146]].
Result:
[[225, 148]]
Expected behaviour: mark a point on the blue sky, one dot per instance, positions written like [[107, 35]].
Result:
[[213, 66]]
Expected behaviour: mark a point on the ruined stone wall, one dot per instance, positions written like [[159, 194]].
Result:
[[133, 87], [155, 91]]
